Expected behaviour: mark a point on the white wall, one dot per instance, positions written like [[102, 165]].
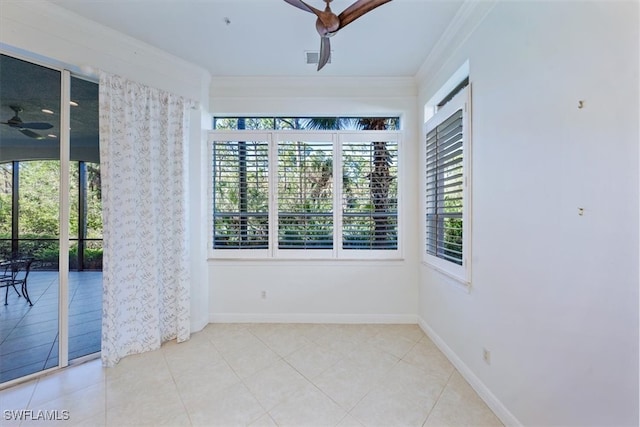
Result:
[[554, 294], [322, 291], [45, 32]]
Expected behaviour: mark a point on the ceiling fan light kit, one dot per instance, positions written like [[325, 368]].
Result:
[[328, 23]]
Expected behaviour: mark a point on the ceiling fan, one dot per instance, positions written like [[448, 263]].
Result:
[[25, 128], [328, 23]]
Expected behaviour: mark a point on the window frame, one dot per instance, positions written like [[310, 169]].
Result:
[[234, 136], [256, 138], [367, 136], [336, 137], [461, 273], [274, 213]]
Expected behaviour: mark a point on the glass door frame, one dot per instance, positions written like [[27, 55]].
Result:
[[65, 189], [64, 199]]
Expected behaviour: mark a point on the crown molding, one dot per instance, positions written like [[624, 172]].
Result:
[[463, 24]]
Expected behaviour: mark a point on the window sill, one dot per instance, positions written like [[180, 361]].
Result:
[[450, 278], [304, 261]]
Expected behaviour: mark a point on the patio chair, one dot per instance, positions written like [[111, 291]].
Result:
[[18, 277], [6, 278]]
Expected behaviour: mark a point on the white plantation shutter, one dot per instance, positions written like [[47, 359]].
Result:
[[301, 194], [446, 191], [305, 195], [370, 195], [241, 194]]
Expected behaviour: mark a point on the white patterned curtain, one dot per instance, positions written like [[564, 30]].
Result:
[[143, 161]]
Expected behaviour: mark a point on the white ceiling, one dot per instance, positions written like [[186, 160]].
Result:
[[270, 37]]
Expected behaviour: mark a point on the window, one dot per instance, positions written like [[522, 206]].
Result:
[[447, 198], [241, 194], [306, 123], [305, 194], [370, 195]]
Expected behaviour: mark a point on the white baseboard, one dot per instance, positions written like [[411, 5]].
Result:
[[311, 318], [483, 391], [199, 324]]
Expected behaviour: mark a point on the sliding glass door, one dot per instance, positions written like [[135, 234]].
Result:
[[30, 149], [85, 222], [46, 149]]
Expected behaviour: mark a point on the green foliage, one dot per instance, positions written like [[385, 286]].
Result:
[[92, 258], [46, 255], [39, 198], [6, 186], [306, 123], [38, 213], [452, 239]]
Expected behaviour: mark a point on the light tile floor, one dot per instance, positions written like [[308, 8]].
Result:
[[264, 375]]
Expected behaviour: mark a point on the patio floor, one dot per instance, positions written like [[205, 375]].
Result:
[[29, 335]]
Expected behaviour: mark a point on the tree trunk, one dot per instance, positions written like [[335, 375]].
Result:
[[379, 181], [242, 183]]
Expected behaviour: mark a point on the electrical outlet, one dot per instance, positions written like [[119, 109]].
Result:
[[263, 294], [486, 356]]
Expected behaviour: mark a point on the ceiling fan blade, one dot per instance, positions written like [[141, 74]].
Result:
[[325, 52], [357, 9], [35, 125], [31, 134], [302, 5]]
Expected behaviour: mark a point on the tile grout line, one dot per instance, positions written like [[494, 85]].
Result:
[[175, 383], [400, 359], [242, 380], [309, 380], [439, 397]]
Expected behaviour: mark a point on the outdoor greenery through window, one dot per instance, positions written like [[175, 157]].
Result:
[[321, 185], [305, 195], [370, 195], [306, 123], [29, 212]]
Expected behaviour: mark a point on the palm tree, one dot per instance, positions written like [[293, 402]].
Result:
[[379, 178]]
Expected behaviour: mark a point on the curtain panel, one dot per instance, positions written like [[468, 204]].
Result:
[[143, 156]]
